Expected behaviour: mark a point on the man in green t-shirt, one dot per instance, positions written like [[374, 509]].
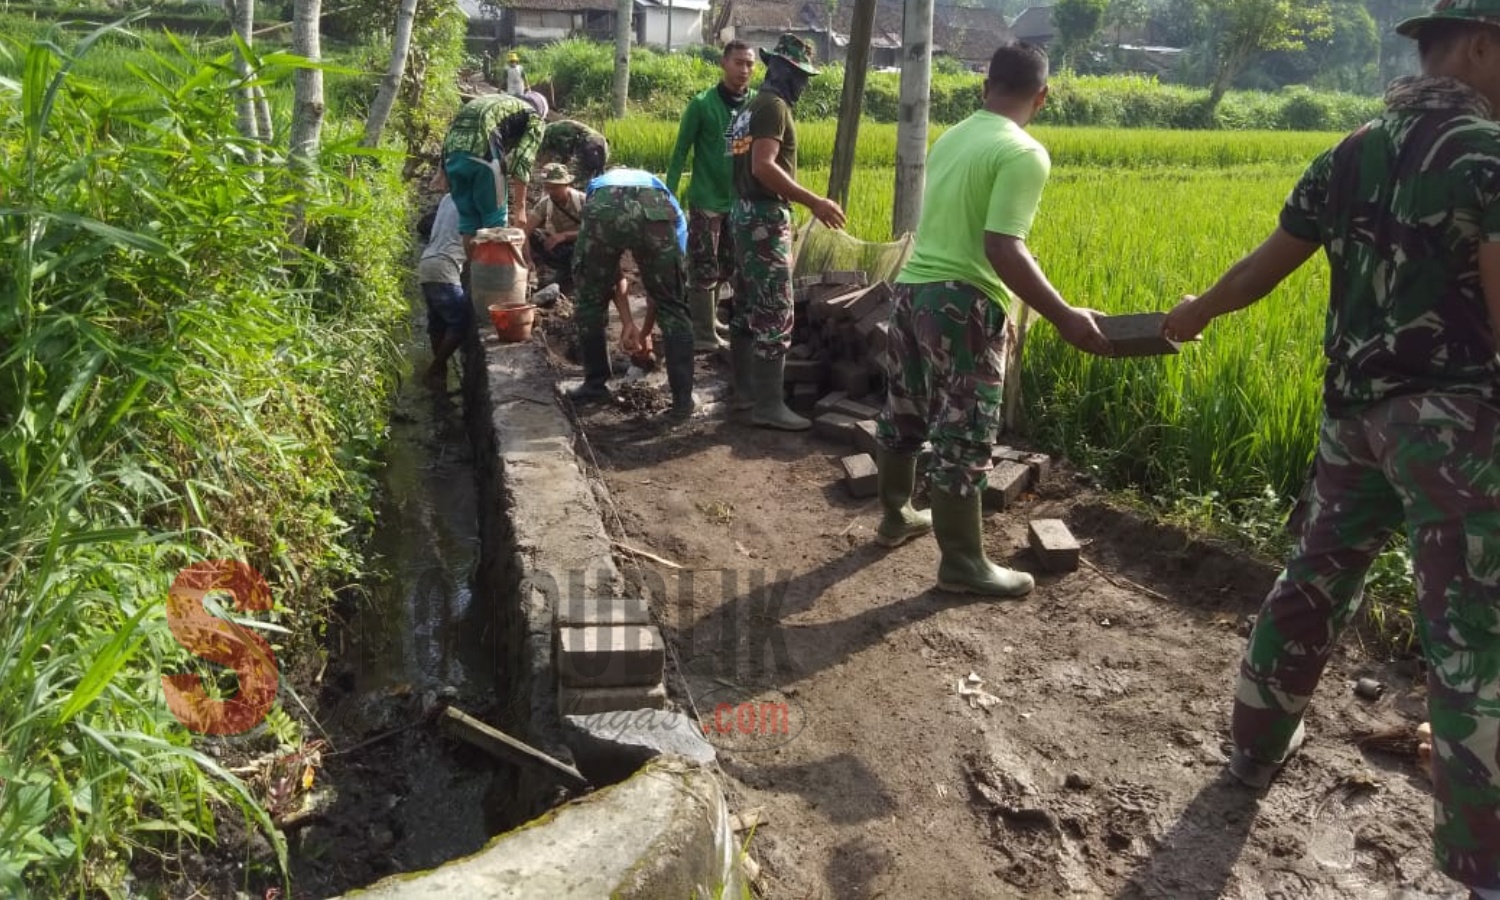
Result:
[[763, 145], [711, 193], [1407, 211], [946, 355]]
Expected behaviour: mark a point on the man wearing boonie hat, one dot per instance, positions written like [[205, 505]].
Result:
[[763, 144], [493, 138], [515, 76], [1407, 210], [554, 223]]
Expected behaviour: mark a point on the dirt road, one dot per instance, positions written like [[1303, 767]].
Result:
[[1091, 765]]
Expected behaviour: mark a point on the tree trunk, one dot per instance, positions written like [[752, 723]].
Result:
[[911, 130], [623, 9], [856, 66], [242, 20], [307, 105], [385, 97], [264, 123]]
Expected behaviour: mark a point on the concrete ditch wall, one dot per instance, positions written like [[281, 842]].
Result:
[[573, 657]]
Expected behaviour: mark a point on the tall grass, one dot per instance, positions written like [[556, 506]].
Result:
[[647, 143], [580, 75], [177, 382]]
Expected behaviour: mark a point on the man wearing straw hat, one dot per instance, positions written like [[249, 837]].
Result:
[[515, 76], [763, 145], [1407, 211]]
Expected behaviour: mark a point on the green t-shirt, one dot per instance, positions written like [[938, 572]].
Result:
[[984, 174], [765, 116]]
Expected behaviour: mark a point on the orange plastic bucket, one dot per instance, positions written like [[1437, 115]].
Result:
[[513, 323]]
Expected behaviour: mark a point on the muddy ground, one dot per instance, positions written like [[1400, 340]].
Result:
[[1097, 769]]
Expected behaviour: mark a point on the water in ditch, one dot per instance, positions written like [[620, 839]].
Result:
[[404, 797]]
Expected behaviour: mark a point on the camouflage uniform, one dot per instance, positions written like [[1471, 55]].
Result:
[[945, 372], [710, 250], [576, 145], [760, 228], [1410, 437], [644, 219]]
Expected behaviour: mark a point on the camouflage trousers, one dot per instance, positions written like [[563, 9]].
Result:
[[1426, 463], [761, 234], [710, 250], [945, 367], [643, 221]]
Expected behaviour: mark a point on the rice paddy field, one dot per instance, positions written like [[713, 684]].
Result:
[[1131, 221]]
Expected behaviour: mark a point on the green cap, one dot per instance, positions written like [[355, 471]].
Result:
[[794, 50], [1482, 12]]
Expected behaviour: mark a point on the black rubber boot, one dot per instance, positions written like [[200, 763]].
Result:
[[594, 348], [678, 349]]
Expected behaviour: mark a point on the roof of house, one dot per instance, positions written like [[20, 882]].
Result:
[[561, 5], [1034, 22], [802, 16], [969, 33], [694, 5]]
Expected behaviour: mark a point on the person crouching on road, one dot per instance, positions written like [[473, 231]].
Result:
[[628, 209]]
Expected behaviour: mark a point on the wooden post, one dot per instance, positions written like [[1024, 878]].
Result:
[[623, 10], [851, 103], [669, 26], [911, 130]]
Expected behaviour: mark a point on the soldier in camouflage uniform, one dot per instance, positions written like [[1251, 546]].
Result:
[[628, 209], [763, 145], [1407, 210], [577, 146], [946, 355]]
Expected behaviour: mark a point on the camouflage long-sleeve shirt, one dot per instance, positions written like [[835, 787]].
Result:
[[1401, 207]]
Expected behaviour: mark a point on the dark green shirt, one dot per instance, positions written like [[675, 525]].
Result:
[[765, 116], [1401, 207]]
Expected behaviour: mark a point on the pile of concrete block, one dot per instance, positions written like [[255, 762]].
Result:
[[609, 657], [839, 338]]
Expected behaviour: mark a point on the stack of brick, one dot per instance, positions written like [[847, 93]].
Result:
[[609, 657], [839, 338]]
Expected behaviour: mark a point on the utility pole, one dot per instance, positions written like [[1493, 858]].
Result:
[[669, 26], [623, 9], [851, 103], [911, 129]]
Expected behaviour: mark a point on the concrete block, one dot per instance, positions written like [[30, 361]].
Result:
[[876, 298], [610, 656], [1039, 463], [804, 397], [860, 475], [1007, 481], [573, 701], [1137, 334], [583, 612], [804, 371], [806, 282], [864, 437], [835, 427], [1054, 545], [799, 351], [829, 304], [850, 377], [642, 733], [829, 401], [854, 409], [856, 277]]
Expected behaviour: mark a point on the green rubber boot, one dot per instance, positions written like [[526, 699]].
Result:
[[742, 360], [958, 523], [897, 476], [770, 410], [704, 312]]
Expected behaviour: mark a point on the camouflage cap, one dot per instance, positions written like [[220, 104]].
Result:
[[556, 173], [1482, 12], [794, 50]]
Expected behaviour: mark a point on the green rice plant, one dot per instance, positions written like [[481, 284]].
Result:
[[178, 381]]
